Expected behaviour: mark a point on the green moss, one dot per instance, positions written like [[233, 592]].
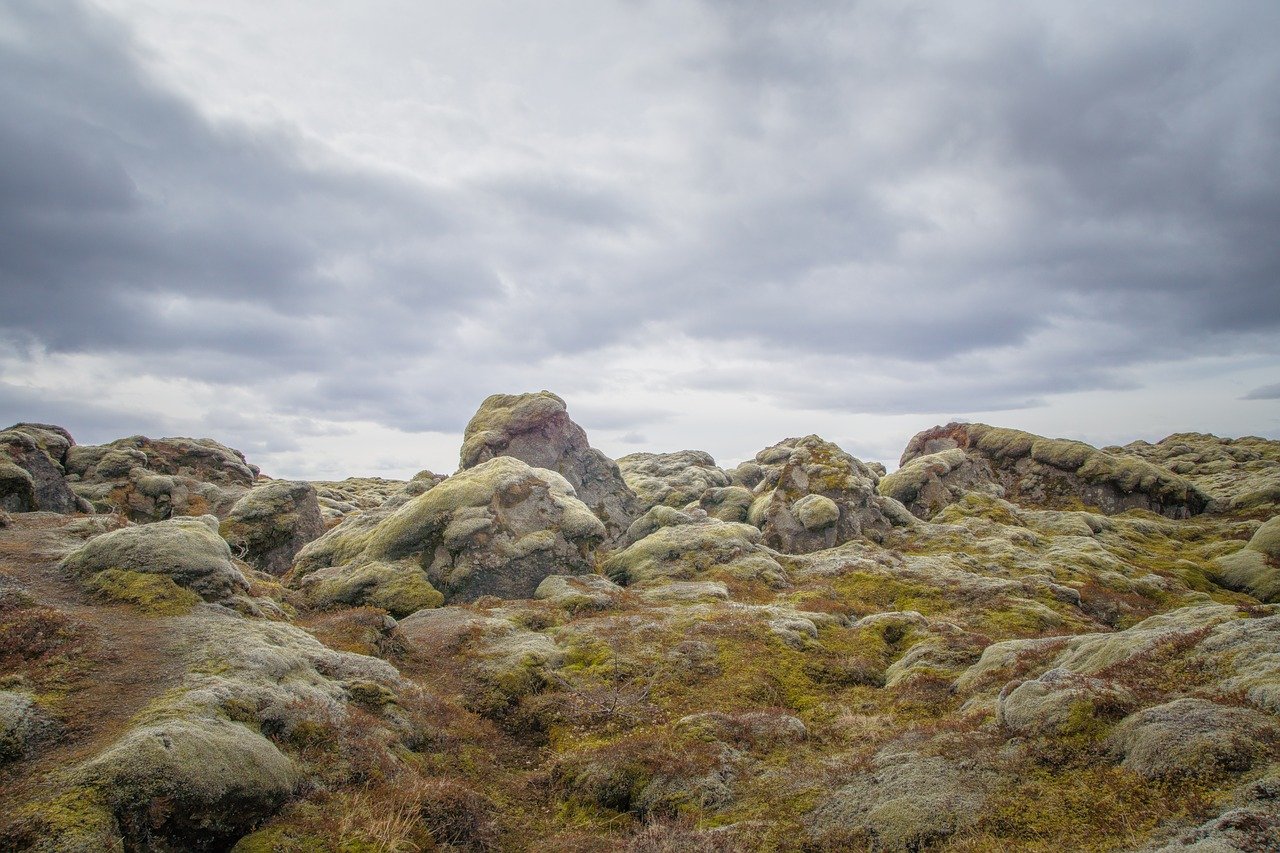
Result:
[[76, 819], [154, 593]]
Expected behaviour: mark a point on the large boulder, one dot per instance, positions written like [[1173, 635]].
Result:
[[187, 551], [814, 496], [197, 784], [1255, 568], [152, 479], [32, 459], [496, 529], [906, 802], [1035, 471], [698, 549], [671, 479], [271, 523], [536, 429], [1194, 737]]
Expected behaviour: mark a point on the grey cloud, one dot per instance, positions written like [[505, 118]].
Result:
[[1265, 392]]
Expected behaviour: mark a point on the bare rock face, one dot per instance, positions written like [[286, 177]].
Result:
[[536, 429], [943, 463], [671, 479], [152, 479], [32, 460], [499, 529], [271, 523], [813, 496]]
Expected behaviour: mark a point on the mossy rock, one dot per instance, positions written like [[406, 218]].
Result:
[[187, 551], [201, 783], [1196, 738]]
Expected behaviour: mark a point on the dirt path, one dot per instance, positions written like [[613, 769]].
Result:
[[133, 654]]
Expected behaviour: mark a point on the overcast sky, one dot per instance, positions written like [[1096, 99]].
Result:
[[323, 232]]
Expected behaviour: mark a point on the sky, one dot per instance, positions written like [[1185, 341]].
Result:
[[323, 232]]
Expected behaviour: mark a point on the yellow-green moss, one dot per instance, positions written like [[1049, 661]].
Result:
[[154, 593]]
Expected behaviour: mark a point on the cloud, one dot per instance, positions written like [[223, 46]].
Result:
[[1265, 392], [843, 208]]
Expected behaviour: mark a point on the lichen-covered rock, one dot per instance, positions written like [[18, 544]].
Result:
[[400, 587], [192, 782], [731, 503], [496, 529], [655, 519], [1255, 568], [153, 479], [1193, 737], [270, 524], [1037, 471], [1241, 475], [536, 429], [927, 484], [908, 802], [189, 551], [671, 479], [1061, 703], [814, 496], [32, 457], [578, 592], [22, 725], [704, 550]]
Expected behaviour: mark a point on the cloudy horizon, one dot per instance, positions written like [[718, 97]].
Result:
[[322, 233]]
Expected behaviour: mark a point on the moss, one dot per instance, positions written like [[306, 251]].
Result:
[[75, 819], [156, 594]]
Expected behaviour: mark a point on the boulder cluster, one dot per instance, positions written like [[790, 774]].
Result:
[[1010, 642]]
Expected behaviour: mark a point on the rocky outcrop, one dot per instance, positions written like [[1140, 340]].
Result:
[[187, 551], [1240, 475], [943, 463], [271, 523], [536, 429], [671, 479], [812, 495], [152, 479], [32, 460], [496, 529]]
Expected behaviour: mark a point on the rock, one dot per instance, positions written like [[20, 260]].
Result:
[[1255, 568], [578, 592], [1240, 475], [400, 587], [186, 550], [703, 550], [1035, 471], [1060, 703], [815, 496], [1193, 737], [655, 519], [152, 479], [22, 726], [270, 524], [191, 782], [671, 479], [927, 484], [496, 529], [31, 469], [536, 429], [731, 503], [908, 802]]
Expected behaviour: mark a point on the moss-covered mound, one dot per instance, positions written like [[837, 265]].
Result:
[[496, 529], [943, 463], [270, 524], [187, 551]]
